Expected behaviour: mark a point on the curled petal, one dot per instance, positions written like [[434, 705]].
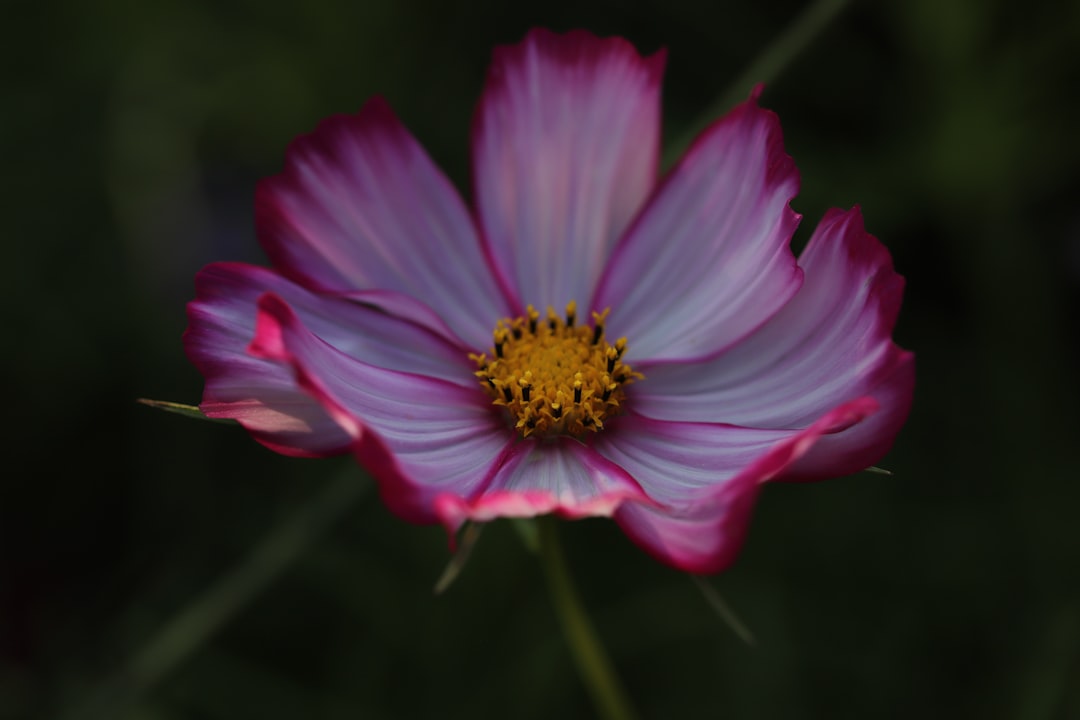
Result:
[[360, 206], [858, 447], [832, 343], [264, 396], [702, 539], [704, 478], [565, 150], [708, 261], [226, 298], [418, 436]]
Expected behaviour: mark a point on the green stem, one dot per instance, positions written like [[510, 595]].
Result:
[[192, 627], [765, 68], [592, 662]]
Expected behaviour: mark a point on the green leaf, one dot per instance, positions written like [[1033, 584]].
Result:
[[469, 536], [205, 615], [190, 411], [765, 68], [723, 611], [877, 471]]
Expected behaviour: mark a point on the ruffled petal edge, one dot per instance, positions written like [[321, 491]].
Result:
[[705, 534]]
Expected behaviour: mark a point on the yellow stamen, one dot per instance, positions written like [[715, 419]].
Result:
[[555, 377]]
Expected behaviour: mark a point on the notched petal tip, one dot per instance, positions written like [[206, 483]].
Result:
[[360, 206], [453, 510], [321, 145], [720, 221], [563, 478], [870, 261], [578, 45], [565, 141]]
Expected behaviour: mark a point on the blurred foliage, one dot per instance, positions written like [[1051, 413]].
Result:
[[132, 136]]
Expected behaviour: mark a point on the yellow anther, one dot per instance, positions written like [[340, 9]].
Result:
[[555, 377]]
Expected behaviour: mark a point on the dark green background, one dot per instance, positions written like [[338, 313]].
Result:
[[132, 136]]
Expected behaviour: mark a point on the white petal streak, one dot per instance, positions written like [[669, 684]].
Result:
[[565, 150], [360, 206], [830, 344], [538, 477], [704, 480], [708, 261]]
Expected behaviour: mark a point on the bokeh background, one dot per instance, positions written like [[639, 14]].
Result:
[[162, 568]]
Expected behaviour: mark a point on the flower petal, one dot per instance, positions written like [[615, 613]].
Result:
[[565, 150], [704, 479], [361, 206], [264, 396], [419, 437], [562, 477], [830, 344], [708, 261]]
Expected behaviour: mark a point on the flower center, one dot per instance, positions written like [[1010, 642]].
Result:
[[553, 376]]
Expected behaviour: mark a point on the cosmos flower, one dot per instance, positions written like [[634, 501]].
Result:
[[585, 339]]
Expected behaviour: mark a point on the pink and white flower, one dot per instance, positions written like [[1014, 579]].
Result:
[[585, 339]]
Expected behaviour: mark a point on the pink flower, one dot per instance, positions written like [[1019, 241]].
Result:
[[585, 340]]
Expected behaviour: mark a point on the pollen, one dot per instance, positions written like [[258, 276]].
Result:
[[555, 375]]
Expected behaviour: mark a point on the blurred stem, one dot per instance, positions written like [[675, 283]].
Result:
[[192, 627], [723, 610], [592, 661], [765, 68]]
